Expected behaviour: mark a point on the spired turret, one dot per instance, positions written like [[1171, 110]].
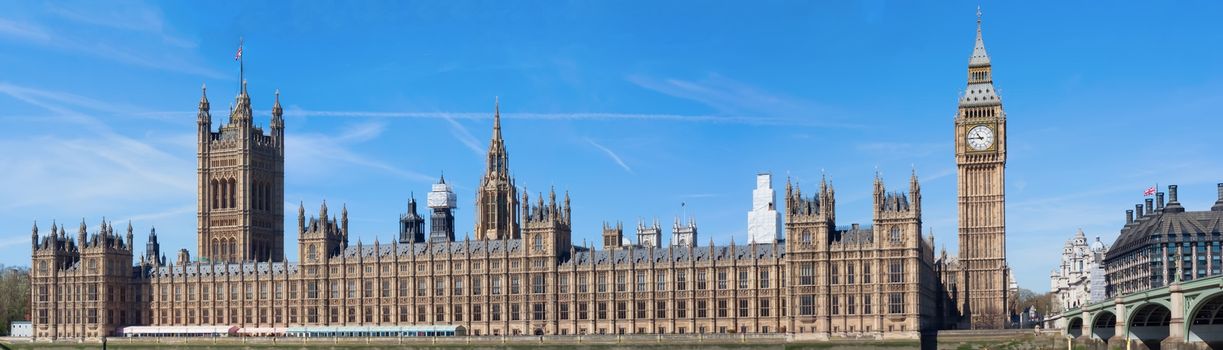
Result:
[[547, 227], [411, 224]]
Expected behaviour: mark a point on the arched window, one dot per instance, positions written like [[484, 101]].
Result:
[[539, 243], [232, 192], [233, 249], [805, 237], [224, 193], [312, 252], [215, 193], [895, 235]]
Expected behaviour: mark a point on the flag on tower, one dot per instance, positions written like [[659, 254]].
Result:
[[238, 56], [1149, 192]]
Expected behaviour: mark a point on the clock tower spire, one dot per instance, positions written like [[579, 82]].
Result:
[[980, 153]]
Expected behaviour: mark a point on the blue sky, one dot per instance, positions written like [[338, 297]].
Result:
[[633, 107]]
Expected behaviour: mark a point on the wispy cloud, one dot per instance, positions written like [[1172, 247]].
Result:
[[130, 15], [463, 135], [731, 97], [318, 154], [105, 32], [101, 167], [611, 155], [583, 116]]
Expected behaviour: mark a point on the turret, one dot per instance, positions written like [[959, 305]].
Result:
[[204, 117], [129, 235], [152, 249], [301, 218], [80, 234], [613, 235], [34, 237]]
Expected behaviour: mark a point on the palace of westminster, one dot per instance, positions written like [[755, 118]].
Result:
[[521, 273]]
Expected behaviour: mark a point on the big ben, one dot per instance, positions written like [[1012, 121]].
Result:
[[980, 153]]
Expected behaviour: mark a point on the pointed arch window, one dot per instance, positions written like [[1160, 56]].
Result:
[[805, 237], [232, 193], [215, 194], [895, 234], [539, 243]]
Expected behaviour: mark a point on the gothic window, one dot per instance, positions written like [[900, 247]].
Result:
[[805, 237], [232, 193], [539, 243], [895, 235], [215, 194], [895, 305], [806, 274], [806, 305], [895, 272], [661, 277]]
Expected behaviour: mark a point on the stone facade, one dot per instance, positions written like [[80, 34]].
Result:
[[1079, 279], [830, 282]]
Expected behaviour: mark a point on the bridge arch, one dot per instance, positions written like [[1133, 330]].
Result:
[[1149, 324], [1205, 321], [1074, 328], [1104, 325]]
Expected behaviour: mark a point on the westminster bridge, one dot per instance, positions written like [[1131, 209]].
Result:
[[1182, 315]]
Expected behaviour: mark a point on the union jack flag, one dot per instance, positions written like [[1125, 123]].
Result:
[[1149, 192], [238, 56]]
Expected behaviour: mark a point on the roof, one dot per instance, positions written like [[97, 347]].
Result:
[[1170, 226], [671, 253], [979, 58]]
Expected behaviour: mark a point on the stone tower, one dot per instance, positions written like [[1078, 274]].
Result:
[[613, 235], [441, 222], [497, 196], [980, 153], [684, 235], [411, 225], [649, 236], [241, 184], [546, 227]]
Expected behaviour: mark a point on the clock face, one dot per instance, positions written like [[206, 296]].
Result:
[[980, 138]]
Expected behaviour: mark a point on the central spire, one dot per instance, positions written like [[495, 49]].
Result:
[[979, 58], [496, 201]]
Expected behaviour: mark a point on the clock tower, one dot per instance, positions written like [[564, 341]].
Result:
[[980, 153]]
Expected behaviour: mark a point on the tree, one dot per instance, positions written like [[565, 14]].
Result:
[[1042, 301], [14, 296]]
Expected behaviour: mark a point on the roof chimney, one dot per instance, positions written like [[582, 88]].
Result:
[[1138, 213], [1174, 206], [1159, 201], [1129, 216], [1219, 202], [1150, 206]]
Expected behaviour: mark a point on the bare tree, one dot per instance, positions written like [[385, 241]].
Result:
[[14, 296]]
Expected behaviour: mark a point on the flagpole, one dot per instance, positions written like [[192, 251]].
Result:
[[241, 66]]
